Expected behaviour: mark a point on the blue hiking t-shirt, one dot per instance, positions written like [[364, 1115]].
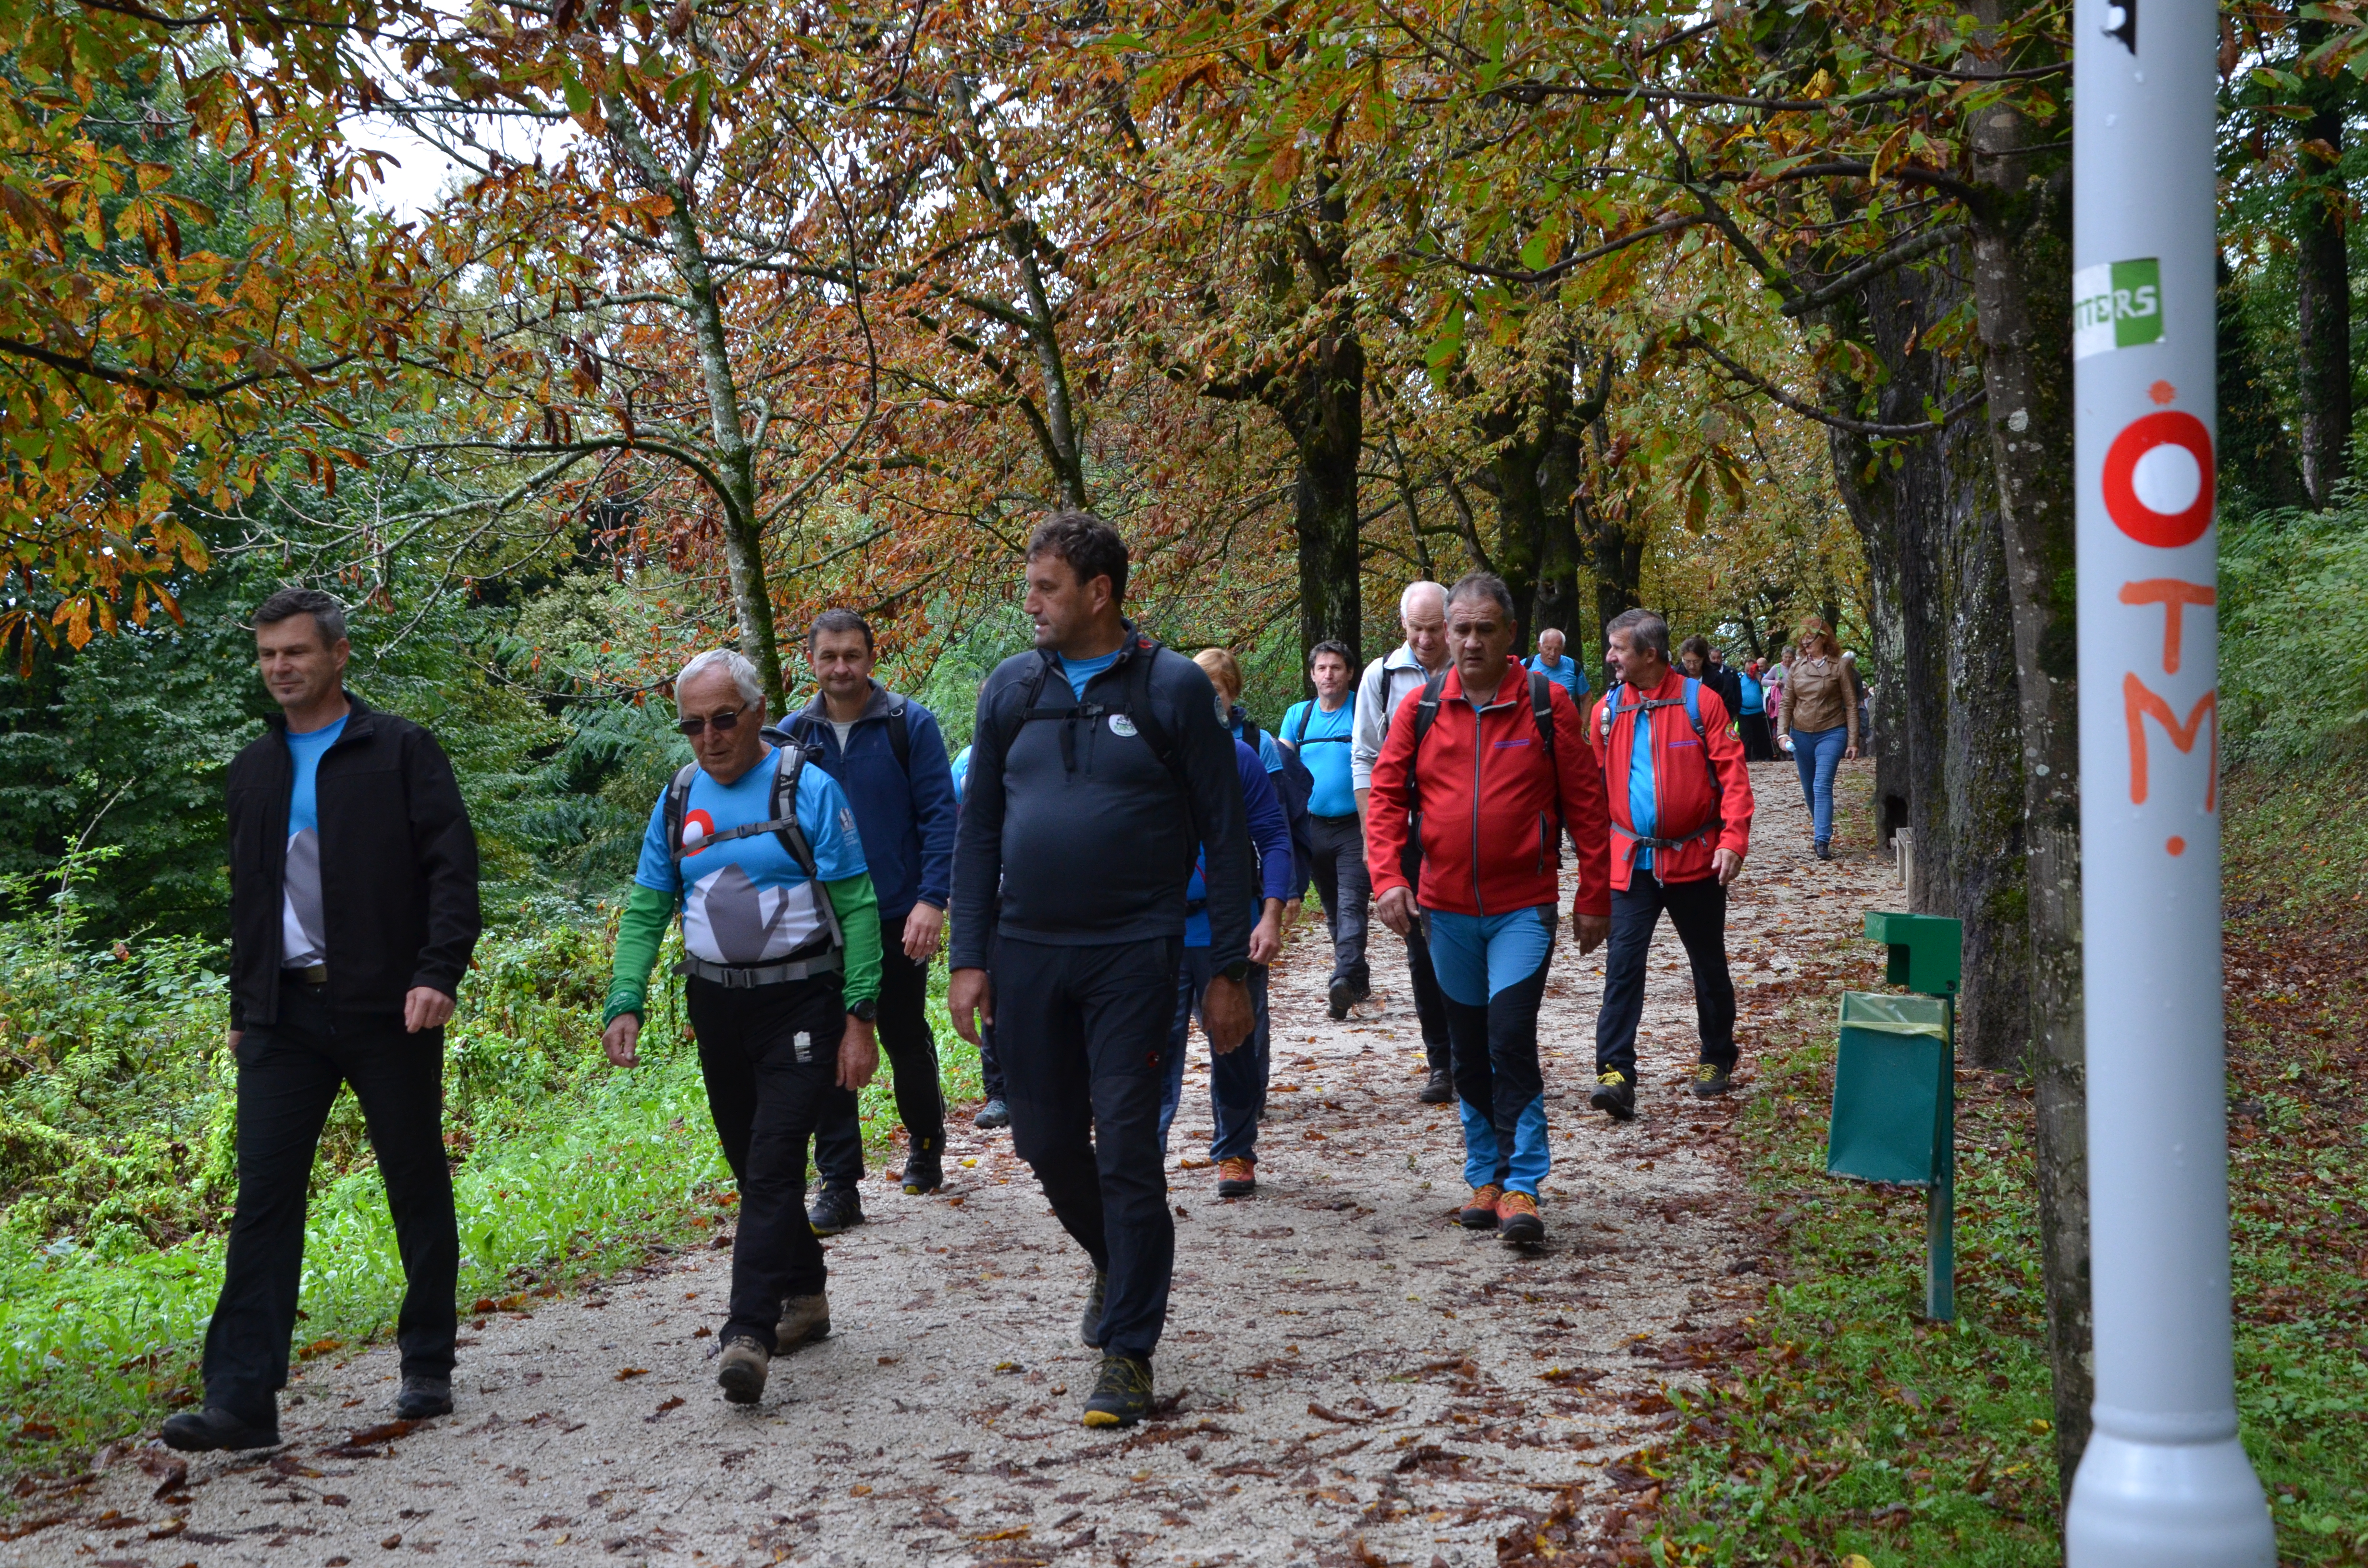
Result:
[[1081, 672], [1564, 672], [1323, 740], [1755, 698], [303, 934], [746, 901], [1644, 812], [961, 773]]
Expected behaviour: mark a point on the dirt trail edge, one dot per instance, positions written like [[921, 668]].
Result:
[[1350, 1378]]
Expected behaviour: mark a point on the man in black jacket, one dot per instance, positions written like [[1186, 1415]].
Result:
[[353, 875], [1099, 767]]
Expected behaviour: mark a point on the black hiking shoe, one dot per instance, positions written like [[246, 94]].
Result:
[[1438, 1088], [1825, 851], [923, 1171], [992, 1115], [835, 1208], [1121, 1395], [1710, 1079], [204, 1431], [741, 1373], [423, 1397], [1090, 1327], [1360, 987], [1614, 1095], [1340, 998]]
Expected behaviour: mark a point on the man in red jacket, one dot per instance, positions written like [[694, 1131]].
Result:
[[1484, 773], [1680, 826]]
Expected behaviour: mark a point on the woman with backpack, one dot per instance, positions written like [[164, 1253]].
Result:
[[1820, 714]]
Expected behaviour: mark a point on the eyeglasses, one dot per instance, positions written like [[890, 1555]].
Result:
[[725, 721]]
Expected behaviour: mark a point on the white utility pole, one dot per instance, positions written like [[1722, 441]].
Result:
[[2164, 1483]]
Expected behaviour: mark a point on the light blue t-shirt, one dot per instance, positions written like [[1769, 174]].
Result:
[[744, 901], [1564, 672], [1323, 740], [1755, 698], [961, 773], [303, 939], [1081, 672], [1269, 754], [1643, 812]]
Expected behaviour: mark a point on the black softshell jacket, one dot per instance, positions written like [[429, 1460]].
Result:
[[1089, 834], [398, 866]]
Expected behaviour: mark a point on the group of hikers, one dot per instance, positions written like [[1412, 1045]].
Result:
[[1115, 855]]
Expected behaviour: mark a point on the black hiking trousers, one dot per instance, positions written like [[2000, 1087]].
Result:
[[1698, 910], [912, 1054], [1083, 1034], [289, 1074], [769, 1054]]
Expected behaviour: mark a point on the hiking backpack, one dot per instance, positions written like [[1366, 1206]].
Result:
[[1613, 713], [1425, 713], [782, 825], [1136, 704], [1294, 787], [900, 733]]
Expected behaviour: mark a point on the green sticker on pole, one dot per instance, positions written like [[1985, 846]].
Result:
[[2118, 305]]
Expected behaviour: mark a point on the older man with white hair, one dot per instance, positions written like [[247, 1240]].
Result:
[[1388, 680], [780, 940]]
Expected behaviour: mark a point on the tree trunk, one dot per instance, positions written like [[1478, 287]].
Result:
[[2255, 455], [1323, 410], [2023, 253], [2322, 281], [1535, 475]]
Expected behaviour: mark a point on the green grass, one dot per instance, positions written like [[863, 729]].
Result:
[[1836, 1424]]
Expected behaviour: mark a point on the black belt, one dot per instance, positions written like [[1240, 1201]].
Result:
[[744, 977], [310, 973]]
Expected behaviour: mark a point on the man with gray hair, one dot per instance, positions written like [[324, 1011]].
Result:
[[1388, 681], [780, 942]]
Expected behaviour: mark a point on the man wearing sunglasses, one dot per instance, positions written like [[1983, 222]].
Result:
[[781, 936]]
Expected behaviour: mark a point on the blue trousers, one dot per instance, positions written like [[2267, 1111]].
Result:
[[1236, 1079], [1491, 972], [1818, 754]]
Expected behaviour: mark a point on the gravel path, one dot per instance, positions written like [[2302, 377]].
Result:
[[1348, 1376]]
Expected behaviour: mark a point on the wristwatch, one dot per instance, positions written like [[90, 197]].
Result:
[[867, 1009], [1237, 970]]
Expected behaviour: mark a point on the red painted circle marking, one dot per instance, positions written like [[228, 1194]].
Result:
[[2177, 846], [2133, 517]]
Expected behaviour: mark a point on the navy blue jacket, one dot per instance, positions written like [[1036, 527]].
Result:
[[906, 823]]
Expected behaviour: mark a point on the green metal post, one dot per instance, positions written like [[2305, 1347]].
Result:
[[1940, 1199]]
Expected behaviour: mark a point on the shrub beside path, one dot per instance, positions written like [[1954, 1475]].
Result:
[[1347, 1377]]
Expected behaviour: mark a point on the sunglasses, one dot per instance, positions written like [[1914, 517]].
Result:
[[725, 721]]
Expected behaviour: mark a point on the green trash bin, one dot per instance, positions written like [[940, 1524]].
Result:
[[1895, 1117]]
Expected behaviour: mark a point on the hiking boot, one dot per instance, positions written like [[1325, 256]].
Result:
[[924, 1172], [1616, 1097], [992, 1115], [804, 1319], [1121, 1395], [1517, 1217], [203, 1431], [1479, 1213], [1341, 998], [1438, 1088], [741, 1373], [835, 1208], [1236, 1177], [1361, 988], [1825, 851], [423, 1397], [1090, 1328], [1710, 1079]]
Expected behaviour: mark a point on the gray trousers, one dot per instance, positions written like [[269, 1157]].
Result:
[[1341, 881]]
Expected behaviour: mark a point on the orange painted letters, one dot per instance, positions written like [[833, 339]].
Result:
[[2140, 704]]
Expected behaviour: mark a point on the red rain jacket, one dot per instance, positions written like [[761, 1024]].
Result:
[[1490, 800], [1686, 798]]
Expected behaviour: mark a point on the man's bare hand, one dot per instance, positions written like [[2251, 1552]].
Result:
[[969, 993], [1728, 865], [925, 927], [1265, 936], [1592, 930], [235, 1036], [858, 1055], [1291, 914], [623, 1040], [1226, 1014], [1396, 909], [425, 1007]]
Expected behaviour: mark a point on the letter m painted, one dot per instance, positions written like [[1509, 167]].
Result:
[[2141, 704]]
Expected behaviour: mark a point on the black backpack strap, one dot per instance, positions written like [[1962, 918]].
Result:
[[677, 806], [900, 734], [1145, 712]]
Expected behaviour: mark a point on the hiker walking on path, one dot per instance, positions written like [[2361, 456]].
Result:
[[1321, 732], [353, 879], [889, 758], [1550, 662], [1388, 681], [1484, 775], [781, 941], [1759, 743], [1237, 1079], [1819, 711], [1680, 798], [1701, 663], [1098, 767], [995, 1113]]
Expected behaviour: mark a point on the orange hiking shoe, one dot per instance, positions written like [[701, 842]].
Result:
[[1236, 1177], [1480, 1212], [1517, 1217]]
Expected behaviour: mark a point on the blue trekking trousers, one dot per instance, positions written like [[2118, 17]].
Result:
[[1492, 969]]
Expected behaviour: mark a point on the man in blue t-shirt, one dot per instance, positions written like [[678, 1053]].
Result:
[[1550, 662], [781, 941], [1321, 732]]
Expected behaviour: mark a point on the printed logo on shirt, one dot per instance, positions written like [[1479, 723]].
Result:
[[1521, 742], [697, 829], [1121, 725], [847, 822]]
